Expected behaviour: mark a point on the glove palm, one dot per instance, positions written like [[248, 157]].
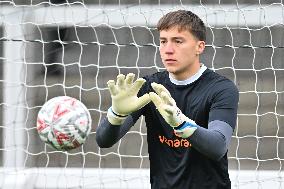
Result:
[[124, 97], [166, 105]]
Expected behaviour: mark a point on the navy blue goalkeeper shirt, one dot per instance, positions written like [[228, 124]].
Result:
[[174, 162]]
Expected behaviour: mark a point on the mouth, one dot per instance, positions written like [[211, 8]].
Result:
[[170, 61]]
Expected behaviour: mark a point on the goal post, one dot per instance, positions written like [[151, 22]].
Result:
[[74, 48], [13, 98]]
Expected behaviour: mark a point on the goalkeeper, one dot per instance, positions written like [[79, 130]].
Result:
[[190, 111]]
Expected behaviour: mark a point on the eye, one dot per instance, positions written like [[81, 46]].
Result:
[[179, 41], [162, 41]]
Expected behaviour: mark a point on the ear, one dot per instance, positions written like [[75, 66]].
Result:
[[200, 47]]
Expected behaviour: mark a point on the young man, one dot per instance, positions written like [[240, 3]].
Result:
[[190, 111]]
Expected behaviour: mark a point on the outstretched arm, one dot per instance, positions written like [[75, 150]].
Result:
[[107, 134], [124, 102]]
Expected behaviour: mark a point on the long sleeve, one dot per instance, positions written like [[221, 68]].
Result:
[[214, 141], [107, 134]]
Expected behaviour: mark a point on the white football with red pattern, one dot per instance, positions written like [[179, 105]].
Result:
[[64, 123]]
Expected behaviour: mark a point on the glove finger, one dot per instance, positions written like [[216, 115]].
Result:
[[167, 99], [129, 78], [155, 99], [112, 88], [169, 109], [158, 88], [143, 100], [120, 82], [137, 86]]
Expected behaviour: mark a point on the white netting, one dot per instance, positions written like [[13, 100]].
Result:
[[52, 48]]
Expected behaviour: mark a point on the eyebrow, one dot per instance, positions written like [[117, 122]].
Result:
[[172, 38]]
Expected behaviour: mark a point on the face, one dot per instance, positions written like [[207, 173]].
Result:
[[180, 52]]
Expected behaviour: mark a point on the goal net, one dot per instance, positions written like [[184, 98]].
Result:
[[52, 48]]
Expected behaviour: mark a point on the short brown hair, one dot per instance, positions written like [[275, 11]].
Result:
[[185, 20]]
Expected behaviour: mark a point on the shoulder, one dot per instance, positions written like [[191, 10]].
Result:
[[221, 88], [219, 82]]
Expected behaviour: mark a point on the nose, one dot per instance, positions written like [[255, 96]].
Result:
[[168, 48]]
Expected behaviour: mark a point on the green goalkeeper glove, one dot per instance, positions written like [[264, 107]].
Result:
[[124, 97], [166, 105]]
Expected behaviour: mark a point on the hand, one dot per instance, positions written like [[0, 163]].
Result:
[[166, 105], [124, 97]]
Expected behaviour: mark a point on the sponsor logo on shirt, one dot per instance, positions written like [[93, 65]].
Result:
[[175, 143]]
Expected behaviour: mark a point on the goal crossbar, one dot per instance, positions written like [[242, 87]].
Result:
[[142, 15]]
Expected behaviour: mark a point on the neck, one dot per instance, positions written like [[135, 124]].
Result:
[[189, 72]]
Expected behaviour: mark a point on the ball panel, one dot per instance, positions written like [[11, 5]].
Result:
[[64, 123]]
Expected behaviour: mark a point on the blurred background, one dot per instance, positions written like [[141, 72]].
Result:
[[59, 57]]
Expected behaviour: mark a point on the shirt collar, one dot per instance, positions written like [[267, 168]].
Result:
[[191, 79]]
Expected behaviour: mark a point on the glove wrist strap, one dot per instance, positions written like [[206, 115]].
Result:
[[114, 118], [118, 115], [184, 125], [186, 129]]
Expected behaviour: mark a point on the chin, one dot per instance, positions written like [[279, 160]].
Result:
[[172, 70]]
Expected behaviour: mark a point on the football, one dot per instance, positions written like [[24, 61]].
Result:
[[64, 123]]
